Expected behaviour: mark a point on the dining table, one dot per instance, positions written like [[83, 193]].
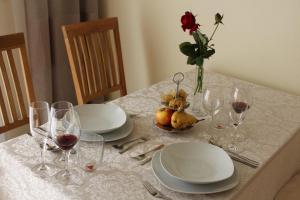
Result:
[[272, 135]]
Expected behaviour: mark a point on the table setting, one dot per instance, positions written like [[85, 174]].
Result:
[[209, 136]]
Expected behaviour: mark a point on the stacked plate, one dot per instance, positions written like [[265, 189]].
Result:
[[109, 120], [194, 168]]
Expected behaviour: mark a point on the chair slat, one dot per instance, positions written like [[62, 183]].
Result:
[[93, 60], [9, 91], [26, 73], [111, 59], [82, 67], [104, 51], [95, 63], [101, 60], [123, 89], [3, 110], [17, 83], [87, 63]]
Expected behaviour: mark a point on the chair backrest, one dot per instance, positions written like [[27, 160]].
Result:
[[94, 52], [16, 89]]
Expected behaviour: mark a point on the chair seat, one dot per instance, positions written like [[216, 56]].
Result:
[[291, 190]]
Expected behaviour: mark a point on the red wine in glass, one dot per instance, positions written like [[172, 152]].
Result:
[[66, 141], [240, 106]]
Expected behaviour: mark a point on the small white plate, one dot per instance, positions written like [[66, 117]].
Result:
[[100, 118], [189, 188], [196, 162], [117, 134]]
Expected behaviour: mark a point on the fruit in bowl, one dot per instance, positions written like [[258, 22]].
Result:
[[182, 120], [163, 116], [175, 102], [173, 121]]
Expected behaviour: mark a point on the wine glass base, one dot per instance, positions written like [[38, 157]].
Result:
[[45, 171], [72, 177]]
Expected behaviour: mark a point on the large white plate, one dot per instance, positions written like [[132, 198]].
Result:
[[117, 134], [196, 162], [100, 118], [190, 188]]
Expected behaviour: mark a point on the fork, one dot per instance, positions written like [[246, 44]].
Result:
[[143, 155], [154, 192]]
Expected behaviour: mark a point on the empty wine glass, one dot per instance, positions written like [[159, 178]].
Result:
[[213, 100], [39, 127], [65, 131], [240, 103]]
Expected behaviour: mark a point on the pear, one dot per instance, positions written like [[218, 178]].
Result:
[[182, 120]]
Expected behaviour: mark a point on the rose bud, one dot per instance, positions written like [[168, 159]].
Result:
[[218, 18]]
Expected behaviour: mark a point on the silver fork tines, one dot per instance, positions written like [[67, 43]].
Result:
[[154, 192]]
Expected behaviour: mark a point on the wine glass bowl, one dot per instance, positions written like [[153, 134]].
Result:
[[240, 102], [213, 99]]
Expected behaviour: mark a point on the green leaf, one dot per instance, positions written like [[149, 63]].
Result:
[[191, 60], [199, 61], [209, 53], [187, 49]]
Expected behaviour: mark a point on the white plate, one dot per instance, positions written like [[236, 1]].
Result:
[[190, 188], [117, 134], [196, 162], [100, 118]]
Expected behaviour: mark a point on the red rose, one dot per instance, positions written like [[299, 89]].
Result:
[[188, 21]]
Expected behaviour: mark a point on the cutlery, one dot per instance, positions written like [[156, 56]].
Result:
[[146, 160], [154, 192], [143, 155], [237, 157], [132, 144], [52, 148], [121, 146]]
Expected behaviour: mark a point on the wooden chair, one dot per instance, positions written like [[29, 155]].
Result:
[[16, 89], [94, 52]]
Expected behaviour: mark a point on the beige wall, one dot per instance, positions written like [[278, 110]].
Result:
[[259, 41]]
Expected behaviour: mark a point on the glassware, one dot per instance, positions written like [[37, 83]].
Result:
[[65, 131], [213, 100], [240, 102], [197, 98], [91, 153], [56, 106], [39, 127]]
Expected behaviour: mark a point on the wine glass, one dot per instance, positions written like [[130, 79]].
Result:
[[39, 127], [240, 102], [56, 106], [213, 100], [65, 131]]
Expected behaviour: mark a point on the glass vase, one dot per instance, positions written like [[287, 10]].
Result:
[[197, 100]]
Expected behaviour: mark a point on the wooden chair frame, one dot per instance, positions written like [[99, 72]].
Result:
[[92, 66], [7, 44]]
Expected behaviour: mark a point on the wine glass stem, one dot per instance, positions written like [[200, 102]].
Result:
[[67, 155], [43, 149]]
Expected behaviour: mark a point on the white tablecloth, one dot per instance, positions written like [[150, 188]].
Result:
[[272, 131]]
